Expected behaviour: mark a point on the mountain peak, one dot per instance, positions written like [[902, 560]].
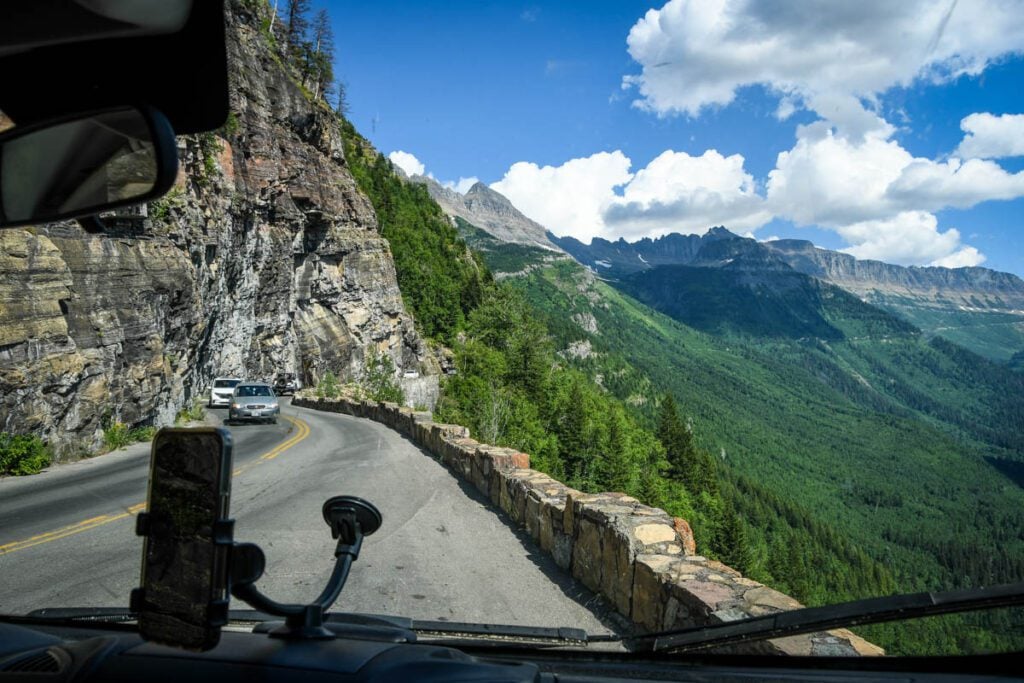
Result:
[[490, 211], [718, 233]]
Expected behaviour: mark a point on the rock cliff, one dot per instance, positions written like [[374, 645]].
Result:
[[264, 257], [969, 287], [490, 211]]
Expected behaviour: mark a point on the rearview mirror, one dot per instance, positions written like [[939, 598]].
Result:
[[85, 164]]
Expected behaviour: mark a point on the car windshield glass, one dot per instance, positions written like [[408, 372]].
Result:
[[629, 317], [252, 390]]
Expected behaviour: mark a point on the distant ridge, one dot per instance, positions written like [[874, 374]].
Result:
[[979, 308]]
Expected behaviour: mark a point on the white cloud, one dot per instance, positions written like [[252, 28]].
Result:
[[407, 162], [832, 57], [908, 238], [461, 185], [569, 199], [991, 137], [933, 185], [881, 198], [677, 192]]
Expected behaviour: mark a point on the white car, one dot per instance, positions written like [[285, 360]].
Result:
[[222, 389]]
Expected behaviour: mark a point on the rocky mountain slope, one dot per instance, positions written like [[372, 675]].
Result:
[[265, 257], [490, 211], [979, 308]]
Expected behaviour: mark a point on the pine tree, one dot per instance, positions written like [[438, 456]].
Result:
[[677, 440], [341, 98], [616, 470], [693, 468], [297, 26], [734, 548], [321, 70]]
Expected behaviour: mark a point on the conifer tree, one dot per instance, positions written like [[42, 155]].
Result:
[[321, 68], [616, 471], [734, 548], [297, 25]]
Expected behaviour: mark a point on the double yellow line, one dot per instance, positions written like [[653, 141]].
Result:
[[93, 522], [302, 433]]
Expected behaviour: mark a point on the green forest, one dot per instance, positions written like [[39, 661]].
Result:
[[787, 465]]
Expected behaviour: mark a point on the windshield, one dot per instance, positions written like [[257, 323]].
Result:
[[252, 390], [628, 316]]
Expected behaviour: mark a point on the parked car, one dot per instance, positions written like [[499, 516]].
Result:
[[285, 383], [222, 389], [254, 401]]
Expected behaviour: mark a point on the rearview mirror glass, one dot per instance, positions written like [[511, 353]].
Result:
[[83, 165]]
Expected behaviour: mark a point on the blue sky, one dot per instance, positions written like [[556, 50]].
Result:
[[840, 123]]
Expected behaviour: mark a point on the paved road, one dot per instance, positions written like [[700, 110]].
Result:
[[66, 536]]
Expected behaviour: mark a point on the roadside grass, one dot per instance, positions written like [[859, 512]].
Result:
[[194, 413], [22, 454], [119, 435]]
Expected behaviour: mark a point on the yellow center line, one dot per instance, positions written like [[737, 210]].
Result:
[[302, 432]]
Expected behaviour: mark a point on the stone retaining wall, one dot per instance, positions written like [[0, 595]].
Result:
[[640, 559]]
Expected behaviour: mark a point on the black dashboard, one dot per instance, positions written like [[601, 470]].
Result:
[[108, 652]]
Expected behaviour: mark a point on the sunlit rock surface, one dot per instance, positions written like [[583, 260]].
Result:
[[265, 257]]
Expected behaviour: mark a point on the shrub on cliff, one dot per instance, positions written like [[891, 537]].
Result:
[[22, 454], [379, 381]]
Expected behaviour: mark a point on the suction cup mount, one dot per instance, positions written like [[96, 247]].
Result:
[[351, 519]]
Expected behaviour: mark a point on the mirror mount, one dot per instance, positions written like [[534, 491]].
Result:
[[75, 167]]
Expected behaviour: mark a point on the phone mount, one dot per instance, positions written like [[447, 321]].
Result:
[[351, 519]]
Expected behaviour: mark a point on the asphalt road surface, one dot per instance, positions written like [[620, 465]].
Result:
[[67, 535]]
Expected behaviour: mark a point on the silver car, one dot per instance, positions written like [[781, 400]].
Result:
[[253, 401]]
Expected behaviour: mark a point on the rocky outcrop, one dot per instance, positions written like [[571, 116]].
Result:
[[490, 211], [641, 560], [979, 288], [265, 257]]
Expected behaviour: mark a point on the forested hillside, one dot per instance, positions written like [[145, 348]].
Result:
[[788, 463], [907, 484]]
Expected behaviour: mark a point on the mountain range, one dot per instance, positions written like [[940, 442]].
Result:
[[810, 373], [978, 308]]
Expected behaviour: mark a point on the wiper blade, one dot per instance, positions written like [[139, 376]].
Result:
[[449, 629], [105, 614], [119, 615], [814, 619]]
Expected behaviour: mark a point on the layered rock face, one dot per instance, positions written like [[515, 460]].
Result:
[[265, 257], [970, 287]]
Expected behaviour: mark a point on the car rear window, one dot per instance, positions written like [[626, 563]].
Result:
[[221, 383]]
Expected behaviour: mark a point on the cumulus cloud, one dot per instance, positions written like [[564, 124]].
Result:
[[599, 196], [833, 181], [677, 192], [991, 137], [407, 162], [570, 199], [908, 238], [834, 58]]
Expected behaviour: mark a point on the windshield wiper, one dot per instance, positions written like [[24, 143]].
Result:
[[814, 619], [367, 626]]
